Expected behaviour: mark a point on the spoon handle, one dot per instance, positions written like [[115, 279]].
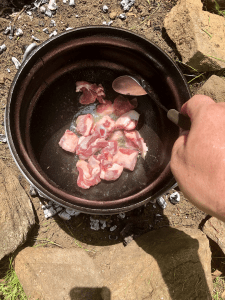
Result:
[[180, 120]]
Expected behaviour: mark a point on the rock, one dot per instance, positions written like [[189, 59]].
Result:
[[215, 230], [2, 78], [113, 15], [53, 273], [214, 87], [17, 216], [163, 264], [198, 35]]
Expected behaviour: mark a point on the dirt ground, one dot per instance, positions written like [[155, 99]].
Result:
[[145, 18]]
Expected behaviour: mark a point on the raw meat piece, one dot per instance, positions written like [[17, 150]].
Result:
[[105, 123], [91, 92], [134, 139], [88, 176], [111, 171], [69, 141], [84, 124], [85, 153], [116, 135], [112, 147], [127, 121], [122, 105], [126, 158], [106, 108]]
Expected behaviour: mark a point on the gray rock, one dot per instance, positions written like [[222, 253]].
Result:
[[16, 217], [215, 230], [198, 35], [52, 273], [214, 87]]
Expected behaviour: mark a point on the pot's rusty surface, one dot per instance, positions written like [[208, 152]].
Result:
[[42, 103]]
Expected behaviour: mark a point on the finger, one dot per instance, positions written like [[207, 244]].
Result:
[[192, 106]]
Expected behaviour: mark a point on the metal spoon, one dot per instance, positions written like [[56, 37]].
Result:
[[130, 85]]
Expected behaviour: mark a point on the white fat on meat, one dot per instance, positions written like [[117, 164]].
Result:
[[126, 158], [89, 174], [90, 92], [111, 171], [134, 140], [128, 121], [69, 141], [84, 124], [105, 123]]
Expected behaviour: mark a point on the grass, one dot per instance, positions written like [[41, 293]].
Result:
[[218, 9], [218, 288], [10, 287]]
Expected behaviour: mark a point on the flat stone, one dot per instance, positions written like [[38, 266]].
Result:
[[17, 216], [54, 273], [215, 230], [198, 35], [214, 87], [113, 15], [163, 264]]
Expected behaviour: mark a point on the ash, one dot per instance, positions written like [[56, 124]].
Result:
[[126, 4]]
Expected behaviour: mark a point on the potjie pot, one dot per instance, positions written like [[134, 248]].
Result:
[[43, 103]]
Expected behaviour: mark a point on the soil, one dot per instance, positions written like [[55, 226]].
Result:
[[146, 19]]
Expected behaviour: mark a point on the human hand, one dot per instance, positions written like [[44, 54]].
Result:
[[198, 156]]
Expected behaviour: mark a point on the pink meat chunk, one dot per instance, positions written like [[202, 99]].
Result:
[[106, 123], [90, 92], [127, 121], [84, 124], [135, 140], [122, 105], [106, 108], [126, 158], [69, 141], [89, 175], [85, 153], [111, 171], [117, 135]]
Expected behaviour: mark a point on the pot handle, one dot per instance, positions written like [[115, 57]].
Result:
[[28, 51]]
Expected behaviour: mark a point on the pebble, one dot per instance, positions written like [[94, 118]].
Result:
[[2, 48], [8, 70], [161, 202], [16, 62], [94, 224], [53, 33], [126, 4], [112, 15], [103, 222], [64, 215], [105, 8], [35, 38], [72, 212], [113, 228], [52, 23], [42, 9], [45, 30], [52, 5], [48, 13], [49, 212], [174, 198], [69, 28], [3, 138], [7, 30], [72, 3], [33, 192], [121, 215], [64, 1]]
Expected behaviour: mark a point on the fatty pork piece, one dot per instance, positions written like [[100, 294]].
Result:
[[127, 121], [122, 105], [90, 92], [89, 173], [126, 158], [84, 124], [105, 123], [111, 171], [69, 141], [134, 139], [106, 108], [84, 152]]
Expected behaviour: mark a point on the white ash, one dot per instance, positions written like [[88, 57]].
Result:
[[64, 215], [7, 30], [174, 198], [77, 16], [52, 5], [105, 8], [154, 206], [72, 3], [94, 224], [53, 33], [69, 28], [105, 23], [48, 13], [16, 62], [103, 222], [52, 23], [122, 16], [158, 215], [33, 192], [3, 138], [11, 32], [37, 3], [72, 212], [64, 1], [29, 13], [35, 38], [113, 228], [8, 70], [2, 48], [49, 212], [161, 202], [19, 32], [42, 9], [45, 30], [121, 215], [126, 4]]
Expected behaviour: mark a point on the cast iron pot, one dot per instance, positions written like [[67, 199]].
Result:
[[42, 103]]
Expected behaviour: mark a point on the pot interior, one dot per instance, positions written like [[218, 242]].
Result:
[[44, 103]]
